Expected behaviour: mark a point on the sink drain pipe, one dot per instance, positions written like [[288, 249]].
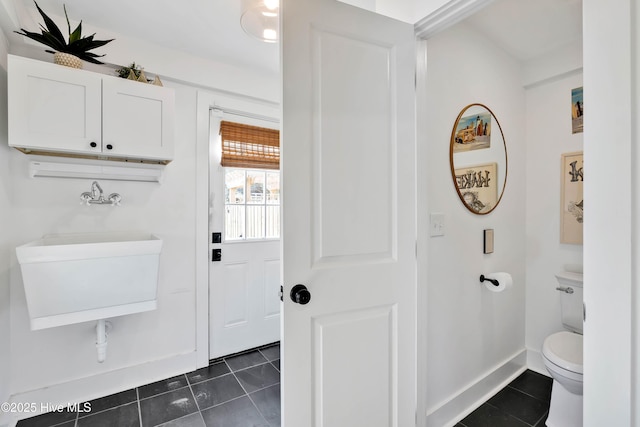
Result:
[[102, 330]]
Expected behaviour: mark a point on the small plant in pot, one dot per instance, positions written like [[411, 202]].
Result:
[[76, 46], [133, 72]]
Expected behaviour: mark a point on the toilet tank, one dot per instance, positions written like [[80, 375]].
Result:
[[570, 287]]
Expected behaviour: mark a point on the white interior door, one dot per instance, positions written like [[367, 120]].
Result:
[[349, 354], [244, 307]]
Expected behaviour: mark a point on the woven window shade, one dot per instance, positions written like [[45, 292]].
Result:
[[245, 146]]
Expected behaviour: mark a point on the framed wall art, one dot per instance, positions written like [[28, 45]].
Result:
[[577, 110], [473, 132], [478, 186], [572, 202]]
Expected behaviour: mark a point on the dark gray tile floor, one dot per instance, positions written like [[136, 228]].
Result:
[[244, 390], [522, 403], [237, 391]]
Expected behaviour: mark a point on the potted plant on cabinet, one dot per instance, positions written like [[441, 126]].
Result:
[[72, 52]]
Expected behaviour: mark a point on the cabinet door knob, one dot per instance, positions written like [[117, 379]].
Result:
[[109, 146], [93, 145]]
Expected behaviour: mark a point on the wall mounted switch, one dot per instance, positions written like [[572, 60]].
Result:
[[436, 224]]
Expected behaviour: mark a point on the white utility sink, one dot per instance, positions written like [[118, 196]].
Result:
[[73, 278]]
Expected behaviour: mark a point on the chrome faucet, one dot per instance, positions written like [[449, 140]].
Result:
[[96, 191], [96, 197]]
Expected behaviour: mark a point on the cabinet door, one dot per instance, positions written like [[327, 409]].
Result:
[[137, 120], [52, 107]]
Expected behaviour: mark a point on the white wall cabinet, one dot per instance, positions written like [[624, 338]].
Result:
[[64, 111]]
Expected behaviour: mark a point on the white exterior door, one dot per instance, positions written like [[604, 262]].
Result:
[[244, 304], [348, 144]]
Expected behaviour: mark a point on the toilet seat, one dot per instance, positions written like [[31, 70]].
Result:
[[564, 349]]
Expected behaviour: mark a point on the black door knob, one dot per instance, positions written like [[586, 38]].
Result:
[[300, 294], [109, 146], [93, 145]]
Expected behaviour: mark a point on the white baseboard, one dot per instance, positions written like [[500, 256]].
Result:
[[100, 385], [452, 411], [535, 363]]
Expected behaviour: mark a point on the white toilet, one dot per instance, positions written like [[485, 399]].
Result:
[[562, 356]]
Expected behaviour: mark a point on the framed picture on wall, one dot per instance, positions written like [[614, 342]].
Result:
[[473, 132], [577, 110], [572, 202], [478, 186]]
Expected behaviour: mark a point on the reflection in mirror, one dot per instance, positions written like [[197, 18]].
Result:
[[478, 159]]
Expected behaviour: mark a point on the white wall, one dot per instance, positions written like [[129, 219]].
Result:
[[471, 331], [611, 92], [5, 231], [49, 205], [635, 295], [183, 67], [548, 108], [59, 364], [611, 44]]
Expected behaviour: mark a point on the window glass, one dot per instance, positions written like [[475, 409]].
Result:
[[273, 188], [234, 186], [252, 204], [255, 184]]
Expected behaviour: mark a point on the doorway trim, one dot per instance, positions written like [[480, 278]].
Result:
[[206, 101], [439, 20], [447, 15]]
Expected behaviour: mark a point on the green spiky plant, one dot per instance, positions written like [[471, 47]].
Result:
[[77, 45]]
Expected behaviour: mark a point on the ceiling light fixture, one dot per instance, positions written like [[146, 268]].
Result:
[[259, 19]]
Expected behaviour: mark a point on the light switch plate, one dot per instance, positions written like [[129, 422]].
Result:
[[436, 224]]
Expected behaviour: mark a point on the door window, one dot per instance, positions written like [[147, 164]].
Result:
[[252, 204]]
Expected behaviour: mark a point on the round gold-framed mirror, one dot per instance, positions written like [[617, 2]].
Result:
[[478, 159]]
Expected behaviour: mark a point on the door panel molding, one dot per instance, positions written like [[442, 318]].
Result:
[[363, 334], [234, 279], [362, 148]]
